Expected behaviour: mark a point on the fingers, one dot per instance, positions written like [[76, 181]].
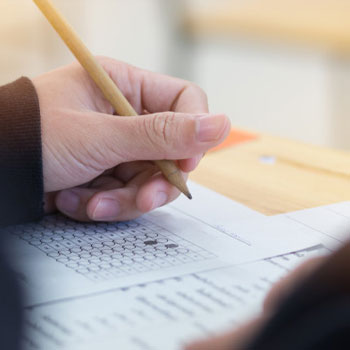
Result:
[[109, 199], [191, 99], [283, 287], [118, 204], [126, 171], [138, 197], [140, 88], [155, 193], [157, 136], [188, 165], [73, 202], [114, 205]]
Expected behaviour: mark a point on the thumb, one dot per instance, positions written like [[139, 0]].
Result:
[[166, 135]]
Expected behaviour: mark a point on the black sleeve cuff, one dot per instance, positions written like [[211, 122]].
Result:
[[21, 177]]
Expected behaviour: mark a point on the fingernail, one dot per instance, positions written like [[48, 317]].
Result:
[[210, 127], [106, 209], [160, 199], [68, 201]]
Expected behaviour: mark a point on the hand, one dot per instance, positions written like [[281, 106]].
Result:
[[97, 165], [239, 337]]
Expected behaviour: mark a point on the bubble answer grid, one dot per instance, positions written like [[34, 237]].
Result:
[[103, 251]]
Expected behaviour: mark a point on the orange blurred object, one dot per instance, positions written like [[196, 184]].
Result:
[[235, 137]]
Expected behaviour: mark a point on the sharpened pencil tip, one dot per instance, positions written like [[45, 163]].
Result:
[[172, 173], [188, 195], [184, 189]]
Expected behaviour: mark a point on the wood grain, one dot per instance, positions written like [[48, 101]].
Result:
[[302, 176], [321, 23]]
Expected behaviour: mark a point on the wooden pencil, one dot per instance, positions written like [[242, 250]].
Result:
[[108, 87]]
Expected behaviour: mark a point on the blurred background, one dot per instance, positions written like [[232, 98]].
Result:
[[276, 66]]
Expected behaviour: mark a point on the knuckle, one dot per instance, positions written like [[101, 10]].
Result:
[[163, 127], [146, 133], [171, 134], [159, 130], [199, 91]]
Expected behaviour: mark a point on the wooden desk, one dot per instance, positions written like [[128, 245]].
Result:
[[302, 176], [322, 23]]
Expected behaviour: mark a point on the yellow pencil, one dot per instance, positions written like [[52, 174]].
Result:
[[109, 89]]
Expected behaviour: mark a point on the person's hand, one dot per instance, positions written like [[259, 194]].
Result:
[[239, 337], [97, 165]]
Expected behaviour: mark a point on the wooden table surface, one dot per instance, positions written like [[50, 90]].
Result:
[[274, 175], [323, 23]]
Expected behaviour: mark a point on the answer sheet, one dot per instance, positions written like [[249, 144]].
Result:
[[330, 222], [154, 282], [165, 314]]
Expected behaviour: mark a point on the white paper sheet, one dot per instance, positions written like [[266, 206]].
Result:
[[330, 222], [59, 258], [159, 315], [115, 285]]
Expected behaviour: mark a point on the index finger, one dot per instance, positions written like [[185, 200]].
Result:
[[155, 92]]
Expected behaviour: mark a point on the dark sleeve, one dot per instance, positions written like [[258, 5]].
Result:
[[316, 315], [21, 190], [10, 308], [21, 179]]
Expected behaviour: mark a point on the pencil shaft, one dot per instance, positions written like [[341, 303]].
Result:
[[86, 59], [103, 81]]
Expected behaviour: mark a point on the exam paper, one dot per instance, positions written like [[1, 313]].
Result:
[[182, 271], [159, 315], [59, 258], [330, 222]]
